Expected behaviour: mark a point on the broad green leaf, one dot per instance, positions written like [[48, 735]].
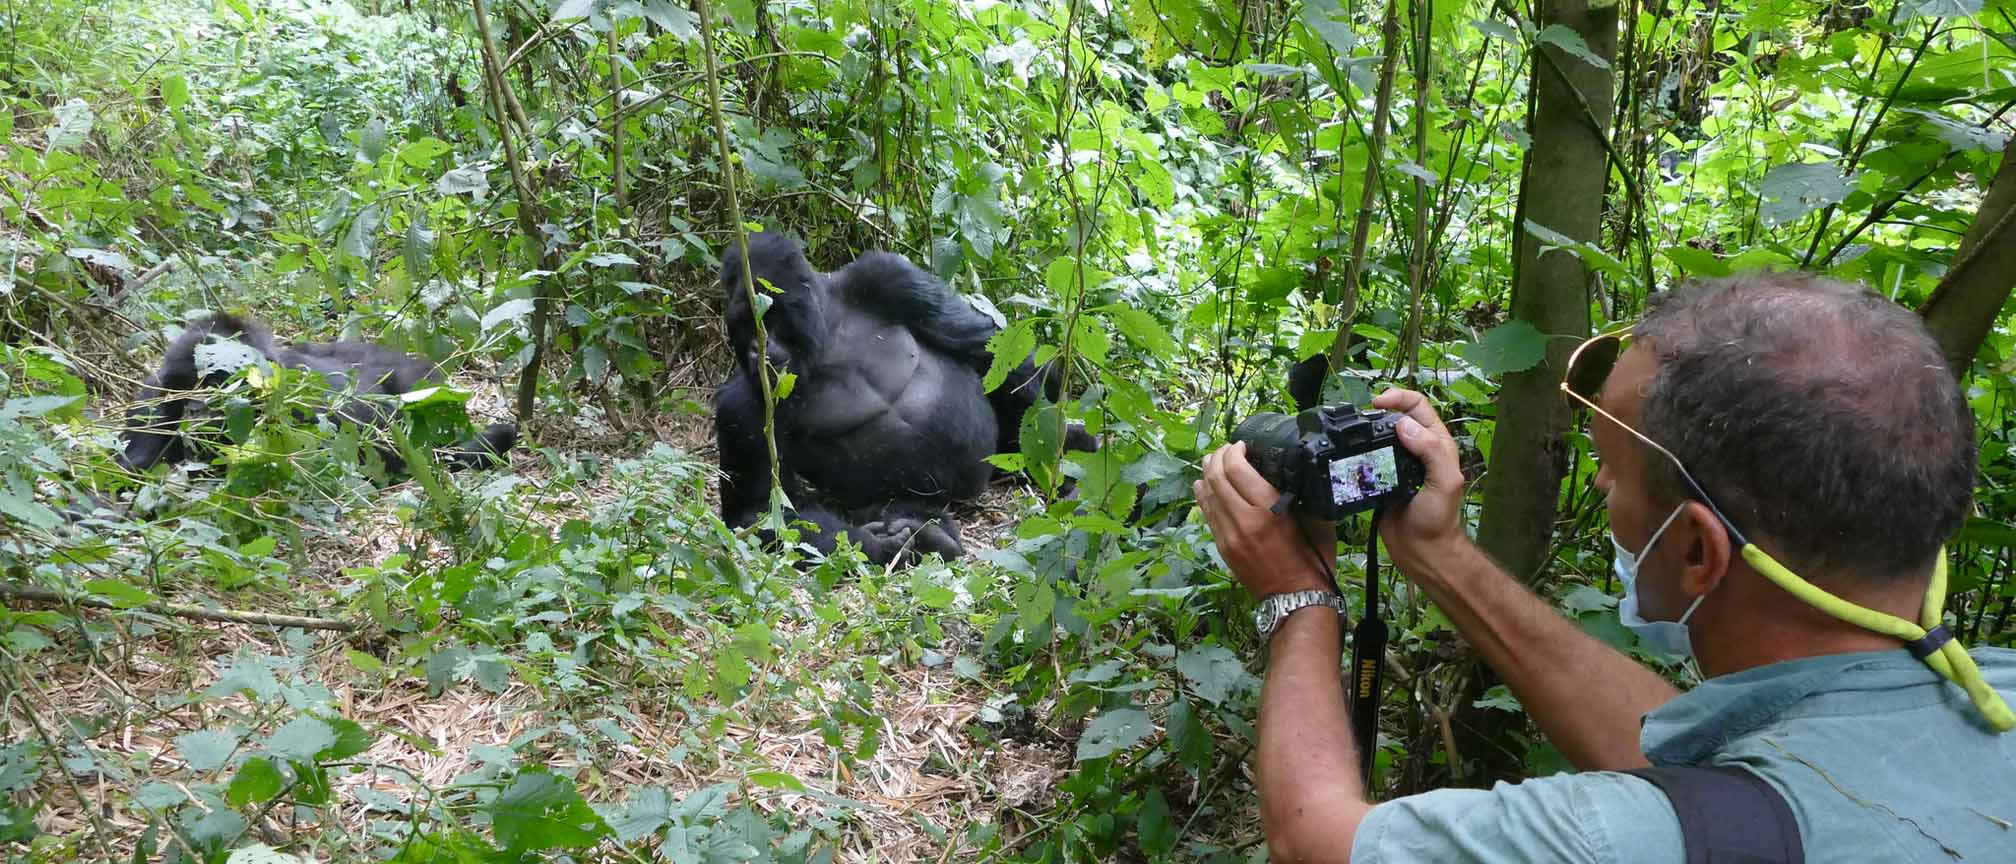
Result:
[[1010, 347], [540, 811], [256, 782], [612, 259], [351, 740], [1696, 262], [1034, 601], [1192, 742], [1496, 29], [1157, 830], [362, 237], [224, 357], [174, 91], [509, 310], [930, 593], [214, 827], [466, 180], [440, 394], [124, 595], [1942, 9], [422, 153], [1987, 532], [1153, 179], [74, 121], [1514, 346], [417, 250], [35, 406], [647, 811], [1112, 732], [1215, 673], [260, 853], [1062, 276], [1332, 23], [206, 749], [1570, 42], [1141, 328], [1276, 70], [674, 18], [1792, 190], [776, 780], [104, 258], [301, 739], [364, 662], [1500, 698], [1587, 599], [371, 140]]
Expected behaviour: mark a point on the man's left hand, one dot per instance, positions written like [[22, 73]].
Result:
[[1269, 554]]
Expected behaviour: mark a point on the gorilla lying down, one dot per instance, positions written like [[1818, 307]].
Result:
[[156, 428], [887, 422]]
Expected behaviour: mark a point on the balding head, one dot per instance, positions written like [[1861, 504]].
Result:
[[1819, 415]]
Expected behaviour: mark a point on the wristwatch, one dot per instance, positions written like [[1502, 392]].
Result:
[[1276, 608]]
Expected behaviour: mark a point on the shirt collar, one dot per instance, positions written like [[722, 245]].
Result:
[[1700, 722]]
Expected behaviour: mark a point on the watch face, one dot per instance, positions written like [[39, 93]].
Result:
[[1261, 617]]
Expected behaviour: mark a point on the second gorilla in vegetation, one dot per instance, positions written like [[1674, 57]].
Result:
[[157, 429], [887, 422]]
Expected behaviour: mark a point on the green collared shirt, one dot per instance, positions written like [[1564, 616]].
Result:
[[1880, 759]]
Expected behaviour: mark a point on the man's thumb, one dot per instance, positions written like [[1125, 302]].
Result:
[[1438, 455]]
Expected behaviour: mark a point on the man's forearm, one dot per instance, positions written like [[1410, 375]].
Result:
[[1586, 696], [1311, 800]]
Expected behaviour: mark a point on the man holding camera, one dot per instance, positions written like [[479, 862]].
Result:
[[1783, 457]]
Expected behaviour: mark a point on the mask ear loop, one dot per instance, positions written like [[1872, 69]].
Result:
[[1930, 641]]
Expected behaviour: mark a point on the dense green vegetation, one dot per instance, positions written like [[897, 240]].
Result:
[[573, 659]]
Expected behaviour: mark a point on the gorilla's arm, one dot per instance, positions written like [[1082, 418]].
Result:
[[888, 286]]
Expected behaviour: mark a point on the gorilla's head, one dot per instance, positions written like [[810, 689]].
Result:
[[795, 321]]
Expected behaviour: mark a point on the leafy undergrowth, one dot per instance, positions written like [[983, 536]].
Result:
[[572, 654]]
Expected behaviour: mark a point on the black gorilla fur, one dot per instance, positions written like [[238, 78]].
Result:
[[1305, 381], [887, 422], [154, 428]]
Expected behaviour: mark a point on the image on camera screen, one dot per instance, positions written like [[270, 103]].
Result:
[[1365, 475]]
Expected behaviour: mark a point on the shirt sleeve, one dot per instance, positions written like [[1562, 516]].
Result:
[[1597, 817]]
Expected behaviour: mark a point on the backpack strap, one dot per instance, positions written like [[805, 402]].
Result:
[[1728, 815]]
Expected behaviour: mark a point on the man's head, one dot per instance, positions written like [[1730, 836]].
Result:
[[1819, 416]]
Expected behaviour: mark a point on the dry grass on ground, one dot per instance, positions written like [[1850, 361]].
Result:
[[927, 775]]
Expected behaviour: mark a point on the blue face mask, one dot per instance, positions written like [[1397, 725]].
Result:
[[1669, 638]]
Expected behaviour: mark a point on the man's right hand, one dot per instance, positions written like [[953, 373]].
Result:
[[1430, 527]]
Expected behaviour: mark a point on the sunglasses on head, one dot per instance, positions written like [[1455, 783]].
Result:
[[1588, 367], [1928, 640]]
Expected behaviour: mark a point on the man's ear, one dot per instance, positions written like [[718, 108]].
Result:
[[1709, 549]]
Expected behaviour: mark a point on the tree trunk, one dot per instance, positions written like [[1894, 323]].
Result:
[[1963, 309], [1562, 189]]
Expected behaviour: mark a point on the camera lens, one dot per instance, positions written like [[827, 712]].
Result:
[[1270, 438]]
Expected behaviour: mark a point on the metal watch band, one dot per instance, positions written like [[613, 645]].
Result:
[[1277, 607]]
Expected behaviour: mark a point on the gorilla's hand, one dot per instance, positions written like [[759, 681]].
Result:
[[909, 538]]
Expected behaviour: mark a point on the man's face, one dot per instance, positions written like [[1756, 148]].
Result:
[[1624, 475]]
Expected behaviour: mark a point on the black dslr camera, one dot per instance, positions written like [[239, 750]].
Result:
[[1334, 460]]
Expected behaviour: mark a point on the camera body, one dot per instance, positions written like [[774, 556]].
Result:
[[1335, 459]]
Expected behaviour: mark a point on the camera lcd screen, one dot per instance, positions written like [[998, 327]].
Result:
[[1366, 475]]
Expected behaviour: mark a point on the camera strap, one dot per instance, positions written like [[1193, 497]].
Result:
[[1368, 652]]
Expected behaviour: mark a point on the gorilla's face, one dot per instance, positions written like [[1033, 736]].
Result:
[[794, 320]]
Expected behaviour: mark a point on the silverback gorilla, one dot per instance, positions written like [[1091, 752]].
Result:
[[887, 422], [155, 430]]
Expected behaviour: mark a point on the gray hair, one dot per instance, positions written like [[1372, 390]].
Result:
[[1820, 416]]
